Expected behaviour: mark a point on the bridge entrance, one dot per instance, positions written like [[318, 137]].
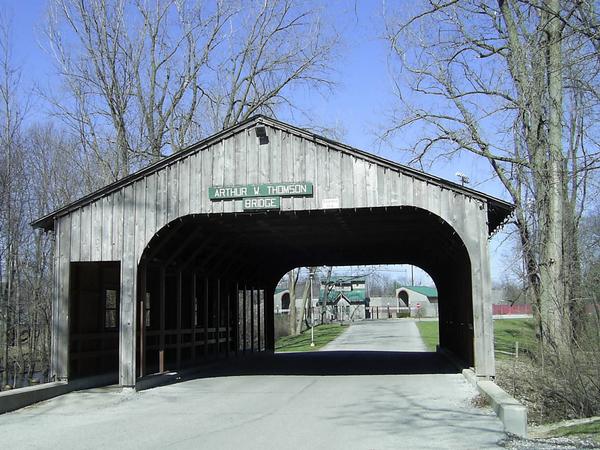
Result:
[[201, 238], [209, 281]]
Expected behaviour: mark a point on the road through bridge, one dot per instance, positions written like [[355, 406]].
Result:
[[324, 400]]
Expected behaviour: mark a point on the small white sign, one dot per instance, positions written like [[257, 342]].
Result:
[[330, 203]]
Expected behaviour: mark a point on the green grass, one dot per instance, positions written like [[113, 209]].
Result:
[[429, 333], [591, 429], [509, 331], [301, 343], [506, 333]]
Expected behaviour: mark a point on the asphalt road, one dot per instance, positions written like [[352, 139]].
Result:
[[362, 398]]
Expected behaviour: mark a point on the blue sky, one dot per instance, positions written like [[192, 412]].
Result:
[[359, 104]]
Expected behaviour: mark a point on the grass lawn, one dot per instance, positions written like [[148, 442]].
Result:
[[429, 333], [590, 429], [506, 333], [301, 343], [509, 331]]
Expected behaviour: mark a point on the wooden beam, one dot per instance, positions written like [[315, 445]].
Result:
[[206, 299], [252, 319], [142, 303], [269, 319], [218, 318], [228, 315], [194, 314], [258, 322], [161, 351], [237, 317], [179, 303], [244, 330]]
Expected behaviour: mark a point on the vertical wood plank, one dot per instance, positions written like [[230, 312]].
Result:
[[218, 171], [140, 202], [151, 203], [96, 254], [117, 226], [195, 180], [128, 306], [107, 221], [184, 187], [64, 273], [86, 233], [76, 235]]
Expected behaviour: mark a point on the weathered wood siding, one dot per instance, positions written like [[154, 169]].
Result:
[[118, 226]]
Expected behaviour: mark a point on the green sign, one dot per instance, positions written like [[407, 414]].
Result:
[[301, 189], [254, 203]]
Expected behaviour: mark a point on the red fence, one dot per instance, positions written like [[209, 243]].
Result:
[[502, 310]]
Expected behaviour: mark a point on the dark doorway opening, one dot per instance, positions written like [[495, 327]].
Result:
[[94, 319]]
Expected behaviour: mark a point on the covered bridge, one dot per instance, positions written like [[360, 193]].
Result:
[[178, 263]]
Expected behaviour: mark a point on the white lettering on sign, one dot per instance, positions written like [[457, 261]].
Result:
[[228, 192], [261, 203], [289, 189]]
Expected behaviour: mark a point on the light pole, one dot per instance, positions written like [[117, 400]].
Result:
[[312, 312]]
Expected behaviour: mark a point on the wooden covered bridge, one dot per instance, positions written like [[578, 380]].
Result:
[[177, 263]]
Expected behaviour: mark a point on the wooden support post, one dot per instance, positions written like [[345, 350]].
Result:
[[179, 303], [218, 319], [260, 296], [206, 299], [269, 319], [244, 330], [142, 323], [161, 347], [228, 318], [237, 317], [194, 314], [252, 319]]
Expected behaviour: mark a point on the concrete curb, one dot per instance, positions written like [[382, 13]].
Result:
[[21, 397], [509, 410]]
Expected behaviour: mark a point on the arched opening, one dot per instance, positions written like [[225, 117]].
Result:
[[403, 296], [206, 282], [285, 301]]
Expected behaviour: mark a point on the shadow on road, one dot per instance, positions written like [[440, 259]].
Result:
[[329, 363]]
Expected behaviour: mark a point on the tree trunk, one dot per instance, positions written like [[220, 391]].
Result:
[[555, 318], [300, 319], [292, 279]]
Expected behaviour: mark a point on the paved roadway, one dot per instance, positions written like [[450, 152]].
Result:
[[288, 401]]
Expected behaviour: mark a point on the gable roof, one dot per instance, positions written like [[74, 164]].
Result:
[[424, 290], [498, 210]]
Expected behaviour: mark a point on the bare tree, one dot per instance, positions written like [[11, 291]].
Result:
[[514, 82], [146, 78], [12, 185], [271, 47]]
